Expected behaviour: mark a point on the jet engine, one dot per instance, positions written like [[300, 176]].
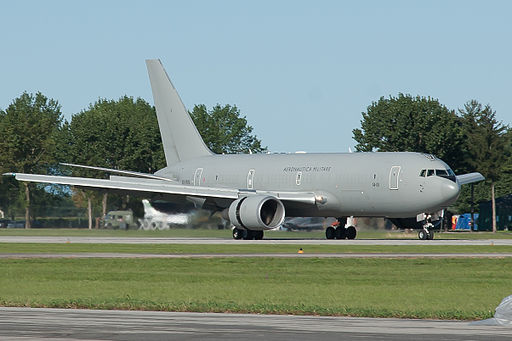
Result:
[[256, 213]]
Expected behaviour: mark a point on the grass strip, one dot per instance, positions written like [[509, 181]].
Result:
[[462, 289], [247, 248]]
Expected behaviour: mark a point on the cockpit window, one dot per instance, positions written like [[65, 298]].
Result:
[[446, 173], [443, 173]]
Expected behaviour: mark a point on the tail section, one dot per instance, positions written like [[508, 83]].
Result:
[[148, 209], [180, 137]]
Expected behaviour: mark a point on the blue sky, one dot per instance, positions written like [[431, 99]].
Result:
[[300, 71]]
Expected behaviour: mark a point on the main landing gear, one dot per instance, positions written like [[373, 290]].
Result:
[[247, 234], [339, 231]]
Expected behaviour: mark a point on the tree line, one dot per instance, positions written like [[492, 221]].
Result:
[[124, 134]]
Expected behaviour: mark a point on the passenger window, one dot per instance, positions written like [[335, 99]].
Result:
[[430, 172], [423, 172]]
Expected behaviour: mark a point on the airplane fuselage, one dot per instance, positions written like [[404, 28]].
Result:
[[350, 184]]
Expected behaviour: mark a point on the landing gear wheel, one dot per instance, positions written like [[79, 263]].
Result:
[[330, 232], [430, 235], [341, 232], [423, 234], [351, 232], [249, 234], [258, 235], [238, 234]]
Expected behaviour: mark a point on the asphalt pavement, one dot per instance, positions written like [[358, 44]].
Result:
[[71, 324]]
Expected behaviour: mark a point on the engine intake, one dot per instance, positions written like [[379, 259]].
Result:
[[257, 213]]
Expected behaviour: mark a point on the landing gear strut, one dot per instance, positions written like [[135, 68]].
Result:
[[340, 231]]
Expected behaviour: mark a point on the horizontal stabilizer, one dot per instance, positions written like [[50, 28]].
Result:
[[469, 178]]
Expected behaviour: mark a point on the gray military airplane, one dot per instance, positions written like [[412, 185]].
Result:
[[256, 192]]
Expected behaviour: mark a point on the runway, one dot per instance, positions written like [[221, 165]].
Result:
[[71, 324], [221, 241]]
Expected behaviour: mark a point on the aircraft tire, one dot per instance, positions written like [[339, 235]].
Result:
[[341, 232], [330, 232], [258, 235], [238, 234], [249, 235], [351, 232], [422, 234], [430, 235]]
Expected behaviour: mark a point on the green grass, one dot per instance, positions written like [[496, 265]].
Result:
[[206, 233], [247, 248], [412, 288]]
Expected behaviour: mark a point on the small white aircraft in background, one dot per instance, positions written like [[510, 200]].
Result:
[[158, 220]]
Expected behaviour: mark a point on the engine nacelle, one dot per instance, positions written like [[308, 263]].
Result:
[[256, 213]]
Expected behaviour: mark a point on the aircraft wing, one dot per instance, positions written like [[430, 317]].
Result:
[[469, 178], [117, 171], [144, 185]]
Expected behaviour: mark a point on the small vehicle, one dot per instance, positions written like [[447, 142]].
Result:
[[16, 224], [4, 222], [20, 224], [119, 220]]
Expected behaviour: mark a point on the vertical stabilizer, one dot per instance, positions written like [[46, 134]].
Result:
[[180, 137], [149, 211]]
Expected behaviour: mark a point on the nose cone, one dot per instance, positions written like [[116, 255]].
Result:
[[450, 191]]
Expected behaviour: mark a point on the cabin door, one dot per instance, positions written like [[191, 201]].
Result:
[[394, 175], [250, 179], [197, 177]]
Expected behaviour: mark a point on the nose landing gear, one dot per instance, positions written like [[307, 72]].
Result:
[[427, 233]]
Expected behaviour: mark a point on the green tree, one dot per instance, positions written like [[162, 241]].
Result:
[[487, 145], [415, 124], [10, 200], [120, 134], [28, 128], [224, 131]]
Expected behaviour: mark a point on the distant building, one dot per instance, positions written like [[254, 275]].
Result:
[[503, 214]]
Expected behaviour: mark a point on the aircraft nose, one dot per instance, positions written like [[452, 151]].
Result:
[[450, 191]]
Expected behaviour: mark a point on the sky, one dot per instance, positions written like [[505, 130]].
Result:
[[301, 72]]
